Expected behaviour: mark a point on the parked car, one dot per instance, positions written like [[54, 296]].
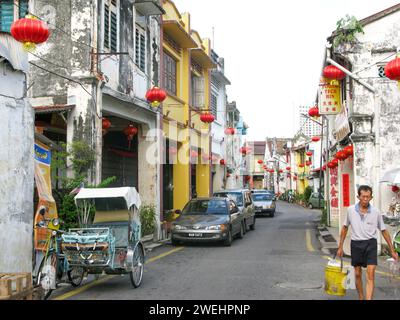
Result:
[[271, 192], [264, 203], [208, 219], [313, 202], [242, 198]]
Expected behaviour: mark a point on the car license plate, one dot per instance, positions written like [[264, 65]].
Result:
[[195, 235]]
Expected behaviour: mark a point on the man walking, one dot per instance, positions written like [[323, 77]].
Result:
[[365, 220]]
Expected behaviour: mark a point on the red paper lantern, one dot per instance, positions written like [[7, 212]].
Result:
[[335, 162], [309, 153], [30, 31], [207, 117], [106, 124], [341, 155], [395, 188], [308, 163], [194, 154], [294, 178], [222, 162], [172, 151], [130, 131], [280, 171], [271, 170], [288, 168], [314, 112], [230, 131], [156, 96], [333, 73], [245, 150], [260, 161], [349, 150], [315, 139], [324, 167], [301, 165], [392, 69]]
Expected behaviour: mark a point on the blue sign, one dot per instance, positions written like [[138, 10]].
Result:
[[42, 155]]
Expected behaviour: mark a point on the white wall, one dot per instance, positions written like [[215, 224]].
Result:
[[16, 173]]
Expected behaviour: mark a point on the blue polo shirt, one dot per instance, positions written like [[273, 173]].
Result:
[[364, 226]]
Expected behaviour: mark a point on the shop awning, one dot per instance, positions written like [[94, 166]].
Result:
[[178, 34], [52, 109], [203, 58], [149, 7]]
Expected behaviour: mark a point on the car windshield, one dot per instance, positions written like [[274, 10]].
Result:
[[262, 197], [235, 196], [204, 207]]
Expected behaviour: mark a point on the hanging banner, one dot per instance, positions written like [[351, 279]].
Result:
[[346, 189], [42, 156], [329, 99], [342, 126], [333, 196]]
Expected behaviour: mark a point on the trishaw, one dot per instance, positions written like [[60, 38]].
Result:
[[108, 240]]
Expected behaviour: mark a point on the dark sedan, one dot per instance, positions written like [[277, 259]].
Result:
[[208, 219]]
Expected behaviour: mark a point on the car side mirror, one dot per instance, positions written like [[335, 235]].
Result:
[[234, 210], [178, 212]]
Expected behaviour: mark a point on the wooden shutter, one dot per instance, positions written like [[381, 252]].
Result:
[[6, 15]]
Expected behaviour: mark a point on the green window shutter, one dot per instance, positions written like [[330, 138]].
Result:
[[23, 8], [142, 52], [6, 15], [106, 26], [113, 32]]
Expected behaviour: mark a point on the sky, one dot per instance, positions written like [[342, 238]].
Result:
[[273, 52]]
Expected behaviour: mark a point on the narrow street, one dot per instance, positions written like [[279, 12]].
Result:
[[281, 259]]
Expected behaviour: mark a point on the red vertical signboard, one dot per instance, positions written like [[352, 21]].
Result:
[[346, 189]]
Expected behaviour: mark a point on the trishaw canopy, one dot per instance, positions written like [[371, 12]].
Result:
[[130, 195]]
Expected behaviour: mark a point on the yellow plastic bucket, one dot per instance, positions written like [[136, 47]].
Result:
[[335, 280]]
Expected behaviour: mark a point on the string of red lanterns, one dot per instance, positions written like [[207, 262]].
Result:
[[130, 131]]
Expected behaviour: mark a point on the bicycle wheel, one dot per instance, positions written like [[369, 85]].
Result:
[[47, 274], [136, 274], [75, 276]]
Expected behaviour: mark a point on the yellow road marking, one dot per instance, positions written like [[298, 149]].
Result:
[[376, 271], [106, 278], [310, 247]]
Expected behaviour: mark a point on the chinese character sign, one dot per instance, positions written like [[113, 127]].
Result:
[[329, 97], [334, 196]]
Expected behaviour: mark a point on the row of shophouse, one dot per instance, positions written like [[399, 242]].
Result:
[[88, 82], [358, 142]]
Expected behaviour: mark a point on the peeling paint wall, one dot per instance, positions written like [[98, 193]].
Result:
[[375, 155], [16, 172]]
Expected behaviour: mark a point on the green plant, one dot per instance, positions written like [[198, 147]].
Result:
[[346, 30], [307, 194], [169, 215], [148, 219], [82, 158]]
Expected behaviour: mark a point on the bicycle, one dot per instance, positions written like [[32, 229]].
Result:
[[54, 266]]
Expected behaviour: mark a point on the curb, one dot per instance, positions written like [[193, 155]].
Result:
[[328, 247]]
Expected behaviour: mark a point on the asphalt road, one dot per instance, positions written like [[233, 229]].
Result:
[[280, 259]]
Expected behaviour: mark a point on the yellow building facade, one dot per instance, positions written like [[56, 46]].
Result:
[[186, 74], [302, 172]]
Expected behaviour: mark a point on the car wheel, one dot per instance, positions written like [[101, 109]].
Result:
[[253, 226], [228, 241], [241, 233], [310, 206]]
